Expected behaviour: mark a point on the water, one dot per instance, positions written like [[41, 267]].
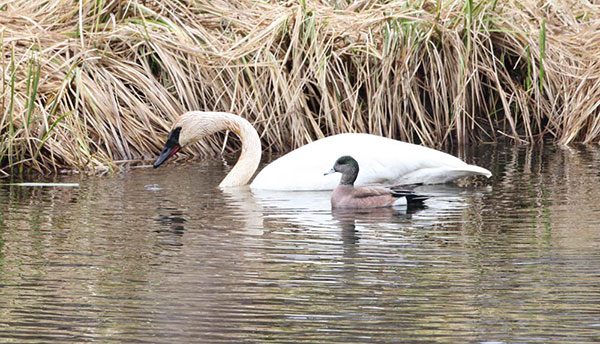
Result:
[[164, 256]]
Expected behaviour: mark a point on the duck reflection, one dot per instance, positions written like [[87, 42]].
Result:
[[349, 219]]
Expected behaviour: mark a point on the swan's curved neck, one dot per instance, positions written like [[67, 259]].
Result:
[[247, 163]]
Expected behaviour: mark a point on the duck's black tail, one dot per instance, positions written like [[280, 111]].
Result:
[[413, 201]]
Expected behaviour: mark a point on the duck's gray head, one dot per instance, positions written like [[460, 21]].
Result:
[[348, 167]]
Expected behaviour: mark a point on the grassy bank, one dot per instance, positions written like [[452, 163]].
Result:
[[89, 83]]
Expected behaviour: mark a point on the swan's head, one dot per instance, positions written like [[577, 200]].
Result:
[[348, 167], [192, 126], [187, 129]]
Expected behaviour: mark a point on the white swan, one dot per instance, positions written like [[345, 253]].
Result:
[[383, 161]]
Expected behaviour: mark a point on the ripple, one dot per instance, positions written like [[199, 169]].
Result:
[[162, 256]]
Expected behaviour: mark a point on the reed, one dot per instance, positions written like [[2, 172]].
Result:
[[88, 84]]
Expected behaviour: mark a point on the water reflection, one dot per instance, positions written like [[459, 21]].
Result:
[[166, 256]]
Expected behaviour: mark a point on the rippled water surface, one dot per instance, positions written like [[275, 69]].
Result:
[[164, 256]]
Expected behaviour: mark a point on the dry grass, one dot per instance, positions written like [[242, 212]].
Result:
[[90, 83]]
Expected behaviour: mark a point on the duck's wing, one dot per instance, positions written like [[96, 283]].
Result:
[[405, 187], [371, 191], [375, 195]]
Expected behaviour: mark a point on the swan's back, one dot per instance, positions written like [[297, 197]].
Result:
[[382, 161]]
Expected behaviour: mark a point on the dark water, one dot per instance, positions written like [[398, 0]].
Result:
[[164, 256]]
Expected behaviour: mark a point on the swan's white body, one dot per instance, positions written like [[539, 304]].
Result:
[[382, 161]]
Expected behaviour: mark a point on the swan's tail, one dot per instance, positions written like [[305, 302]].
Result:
[[476, 170], [465, 171], [441, 175]]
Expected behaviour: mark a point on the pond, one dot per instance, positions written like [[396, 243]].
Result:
[[165, 256]]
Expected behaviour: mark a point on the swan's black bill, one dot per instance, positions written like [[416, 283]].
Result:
[[171, 148]]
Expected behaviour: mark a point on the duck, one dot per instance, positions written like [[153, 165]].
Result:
[[348, 196], [385, 161]]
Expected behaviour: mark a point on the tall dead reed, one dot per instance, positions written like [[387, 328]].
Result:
[[86, 84]]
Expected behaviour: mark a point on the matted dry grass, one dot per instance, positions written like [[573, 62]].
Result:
[[90, 83]]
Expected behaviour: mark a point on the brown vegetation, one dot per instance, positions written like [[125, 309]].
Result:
[[88, 83]]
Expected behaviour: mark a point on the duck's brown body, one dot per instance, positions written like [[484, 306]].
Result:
[[348, 196]]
